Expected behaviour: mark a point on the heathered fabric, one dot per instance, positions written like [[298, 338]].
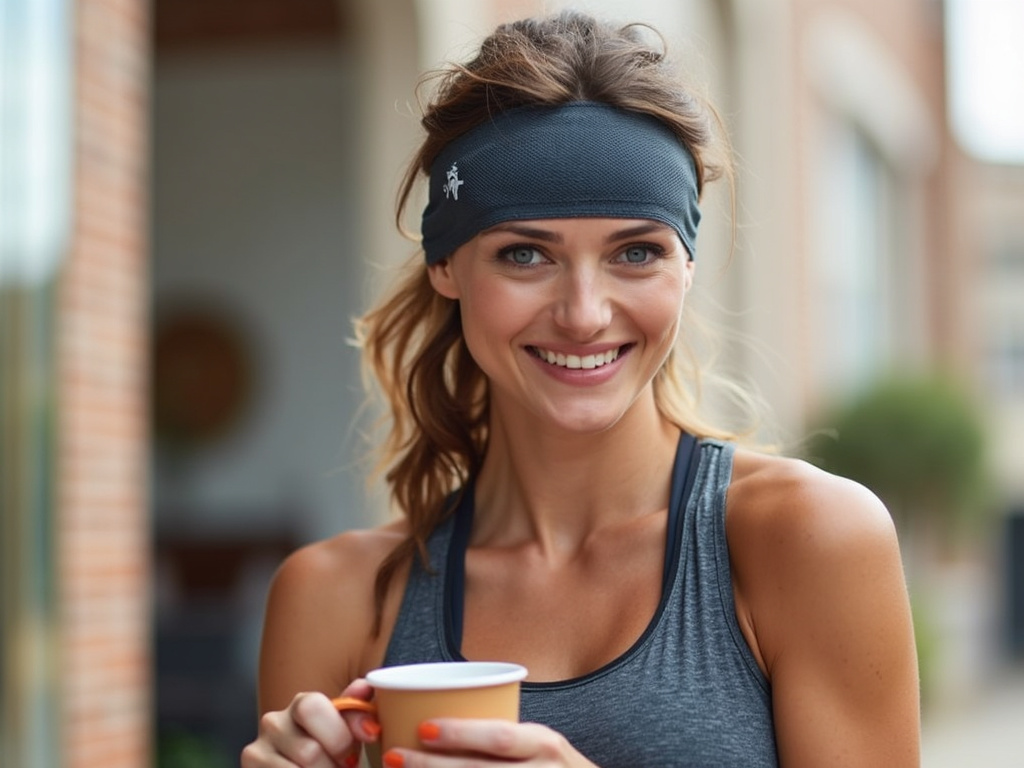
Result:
[[580, 159], [688, 693]]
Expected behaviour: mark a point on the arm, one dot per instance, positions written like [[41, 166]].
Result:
[[306, 646], [316, 644], [822, 599]]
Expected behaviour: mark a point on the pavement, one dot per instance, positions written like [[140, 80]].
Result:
[[983, 730]]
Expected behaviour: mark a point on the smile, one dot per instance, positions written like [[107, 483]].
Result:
[[585, 362]]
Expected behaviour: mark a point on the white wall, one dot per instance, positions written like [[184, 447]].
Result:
[[255, 209]]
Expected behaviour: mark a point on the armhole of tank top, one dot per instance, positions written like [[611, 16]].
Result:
[[420, 589], [454, 588], [722, 479]]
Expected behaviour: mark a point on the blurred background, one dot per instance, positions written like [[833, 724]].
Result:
[[196, 197]]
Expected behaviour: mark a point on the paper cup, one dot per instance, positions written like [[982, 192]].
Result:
[[406, 696]]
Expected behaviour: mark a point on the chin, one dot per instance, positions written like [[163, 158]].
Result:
[[583, 421]]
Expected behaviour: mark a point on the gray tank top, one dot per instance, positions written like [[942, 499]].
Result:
[[687, 693]]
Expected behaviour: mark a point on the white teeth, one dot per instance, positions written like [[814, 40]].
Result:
[[576, 362]]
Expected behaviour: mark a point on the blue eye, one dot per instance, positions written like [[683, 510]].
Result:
[[640, 254], [521, 255]]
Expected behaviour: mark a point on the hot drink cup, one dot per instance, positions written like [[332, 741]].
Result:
[[405, 696]]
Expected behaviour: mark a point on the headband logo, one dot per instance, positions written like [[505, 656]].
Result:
[[454, 182]]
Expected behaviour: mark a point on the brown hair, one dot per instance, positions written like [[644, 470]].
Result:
[[412, 342]]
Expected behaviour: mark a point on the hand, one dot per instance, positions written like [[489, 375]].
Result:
[[311, 734], [453, 743]]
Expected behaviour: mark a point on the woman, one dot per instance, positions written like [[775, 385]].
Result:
[[677, 600]]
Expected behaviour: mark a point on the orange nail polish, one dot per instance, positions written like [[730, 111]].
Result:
[[394, 760], [371, 727], [428, 732], [351, 761]]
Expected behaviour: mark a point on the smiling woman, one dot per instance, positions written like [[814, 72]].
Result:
[[563, 503], [542, 301]]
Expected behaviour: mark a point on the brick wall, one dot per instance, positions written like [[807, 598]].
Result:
[[102, 529]]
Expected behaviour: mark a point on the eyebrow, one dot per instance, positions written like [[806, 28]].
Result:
[[640, 229], [522, 230], [546, 235]]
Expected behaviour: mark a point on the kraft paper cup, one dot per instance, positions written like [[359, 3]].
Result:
[[405, 696]]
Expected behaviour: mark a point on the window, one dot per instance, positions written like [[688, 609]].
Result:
[[856, 259], [1002, 312], [1005, 360], [1007, 259]]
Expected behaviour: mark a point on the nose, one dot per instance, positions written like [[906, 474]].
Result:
[[583, 307]]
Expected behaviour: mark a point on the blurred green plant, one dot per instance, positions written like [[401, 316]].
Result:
[[927, 641], [918, 442], [180, 749]]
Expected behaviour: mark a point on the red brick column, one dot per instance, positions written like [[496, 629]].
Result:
[[102, 520]]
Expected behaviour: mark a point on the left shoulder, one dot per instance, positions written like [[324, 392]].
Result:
[[800, 509], [802, 544], [800, 537], [822, 602]]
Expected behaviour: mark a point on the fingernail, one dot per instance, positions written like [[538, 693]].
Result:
[[371, 727], [394, 760], [428, 731], [351, 761]]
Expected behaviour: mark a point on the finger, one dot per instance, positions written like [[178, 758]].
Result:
[[363, 726], [292, 743], [406, 758], [312, 735], [496, 738], [359, 688]]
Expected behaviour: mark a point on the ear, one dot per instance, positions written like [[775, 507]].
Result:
[[691, 267], [443, 280]]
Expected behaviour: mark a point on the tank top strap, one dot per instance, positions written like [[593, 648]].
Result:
[[684, 475], [419, 631]]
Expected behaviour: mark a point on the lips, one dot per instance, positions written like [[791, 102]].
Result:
[[578, 362]]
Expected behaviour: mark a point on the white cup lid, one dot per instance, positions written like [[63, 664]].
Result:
[[446, 675]]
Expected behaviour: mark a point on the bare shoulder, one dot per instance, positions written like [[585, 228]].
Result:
[[317, 632], [339, 566], [790, 507], [822, 602], [800, 537]]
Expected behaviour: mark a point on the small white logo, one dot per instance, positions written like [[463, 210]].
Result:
[[454, 182]]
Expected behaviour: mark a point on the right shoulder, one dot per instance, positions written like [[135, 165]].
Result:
[[320, 614], [339, 566]]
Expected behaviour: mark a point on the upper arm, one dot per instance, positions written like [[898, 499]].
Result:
[[317, 630], [824, 587]]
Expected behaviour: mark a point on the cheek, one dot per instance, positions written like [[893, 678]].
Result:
[[491, 316], [658, 312]]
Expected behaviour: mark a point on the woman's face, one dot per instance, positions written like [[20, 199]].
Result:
[[570, 319]]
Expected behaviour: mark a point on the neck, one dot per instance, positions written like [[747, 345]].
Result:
[[559, 488]]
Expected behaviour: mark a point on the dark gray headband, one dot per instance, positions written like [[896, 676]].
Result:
[[574, 160]]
